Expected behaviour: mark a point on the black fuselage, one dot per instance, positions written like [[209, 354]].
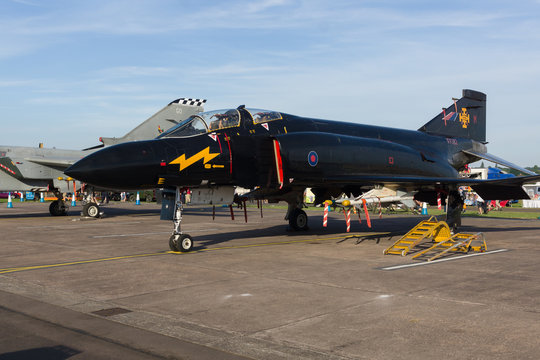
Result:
[[283, 152]]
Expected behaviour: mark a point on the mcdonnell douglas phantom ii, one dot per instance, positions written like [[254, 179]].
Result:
[[279, 155]]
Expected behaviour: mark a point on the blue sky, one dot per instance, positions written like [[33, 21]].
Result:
[[72, 71]]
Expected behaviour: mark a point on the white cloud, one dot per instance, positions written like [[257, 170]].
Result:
[[26, 2], [259, 6], [234, 69], [134, 71]]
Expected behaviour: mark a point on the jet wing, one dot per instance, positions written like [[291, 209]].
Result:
[[7, 166], [390, 180], [94, 147], [500, 189], [498, 160], [60, 163]]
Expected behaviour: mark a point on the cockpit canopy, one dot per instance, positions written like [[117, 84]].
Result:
[[261, 116], [210, 121], [220, 119]]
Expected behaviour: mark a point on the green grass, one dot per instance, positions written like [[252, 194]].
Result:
[[503, 214], [507, 213]]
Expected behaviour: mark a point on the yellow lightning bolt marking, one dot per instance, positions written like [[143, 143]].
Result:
[[203, 154]]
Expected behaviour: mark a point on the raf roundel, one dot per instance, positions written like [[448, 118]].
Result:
[[313, 158]]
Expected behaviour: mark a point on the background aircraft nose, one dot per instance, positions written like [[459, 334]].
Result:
[[126, 166]]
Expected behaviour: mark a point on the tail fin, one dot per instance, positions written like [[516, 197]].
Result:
[[177, 110], [466, 118]]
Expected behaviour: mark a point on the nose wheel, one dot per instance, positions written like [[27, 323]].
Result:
[[91, 209], [180, 242]]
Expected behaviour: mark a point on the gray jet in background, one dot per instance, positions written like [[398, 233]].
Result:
[[41, 169]]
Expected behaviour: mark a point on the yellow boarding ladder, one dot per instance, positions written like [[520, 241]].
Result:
[[427, 229], [459, 242]]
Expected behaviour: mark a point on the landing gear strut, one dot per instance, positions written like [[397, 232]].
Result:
[[455, 207], [178, 241]]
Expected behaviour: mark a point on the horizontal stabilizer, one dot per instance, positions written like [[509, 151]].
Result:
[[499, 161], [504, 189]]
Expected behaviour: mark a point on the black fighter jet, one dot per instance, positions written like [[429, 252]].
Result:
[[279, 155]]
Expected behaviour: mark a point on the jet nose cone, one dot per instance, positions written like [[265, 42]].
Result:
[[124, 167], [77, 170]]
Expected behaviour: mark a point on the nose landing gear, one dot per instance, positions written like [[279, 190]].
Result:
[[179, 241], [90, 209]]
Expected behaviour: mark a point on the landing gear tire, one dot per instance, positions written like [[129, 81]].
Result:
[[58, 208], [91, 209], [182, 243], [298, 220]]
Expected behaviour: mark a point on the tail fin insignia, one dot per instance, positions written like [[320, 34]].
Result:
[[465, 118]]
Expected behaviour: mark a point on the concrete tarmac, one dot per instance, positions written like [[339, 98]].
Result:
[[109, 288]]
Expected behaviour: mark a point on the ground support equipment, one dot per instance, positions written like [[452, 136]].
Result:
[[461, 242], [431, 229]]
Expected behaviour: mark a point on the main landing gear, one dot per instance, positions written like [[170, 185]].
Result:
[[298, 219], [58, 207], [455, 207], [179, 241]]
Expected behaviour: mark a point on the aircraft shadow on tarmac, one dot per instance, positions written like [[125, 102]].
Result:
[[58, 352], [335, 228], [387, 229]]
